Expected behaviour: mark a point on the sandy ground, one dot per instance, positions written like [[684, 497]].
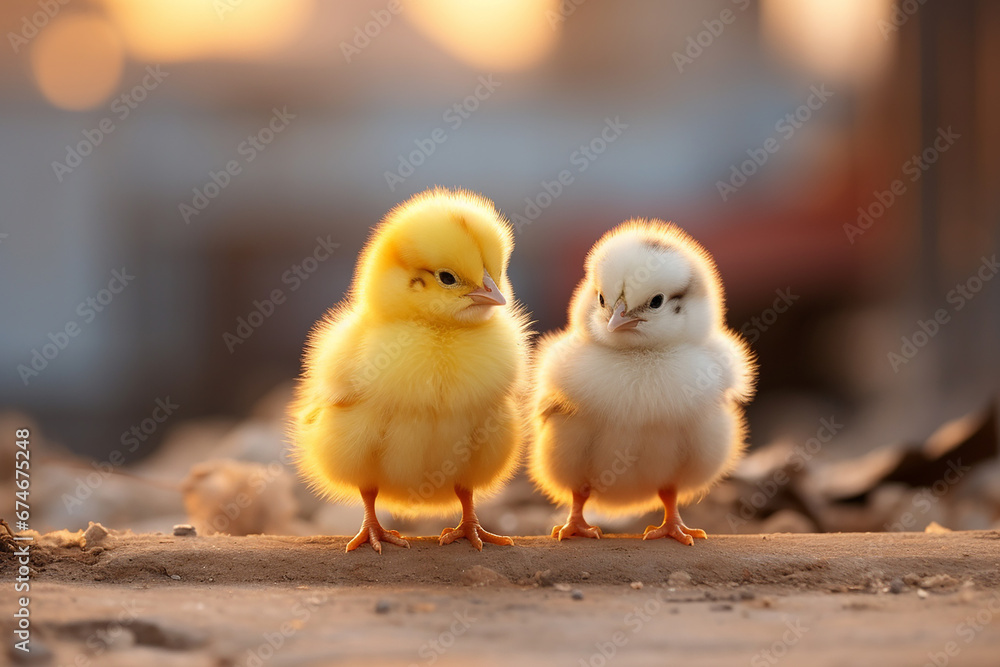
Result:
[[832, 599]]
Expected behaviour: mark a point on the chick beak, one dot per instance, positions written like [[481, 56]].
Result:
[[489, 294], [619, 320]]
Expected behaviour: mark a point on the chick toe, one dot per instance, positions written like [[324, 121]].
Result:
[[375, 534], [576, 526], [470, 527], [475, 533], [676, 529]]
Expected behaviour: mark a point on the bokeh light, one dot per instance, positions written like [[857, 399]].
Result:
[[839, 40], [178, 30], [496, 35], [77, 61]]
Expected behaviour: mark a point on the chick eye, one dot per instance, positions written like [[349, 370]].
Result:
[[656, 301], [446, 278], [601, 299]]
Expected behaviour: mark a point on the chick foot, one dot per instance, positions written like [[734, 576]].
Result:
[[375, 535], [372, 531], [672, 525], [475, 533], [675, 529], [576, 524], [470, 528]]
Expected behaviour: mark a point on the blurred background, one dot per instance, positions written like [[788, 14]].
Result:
[[186, 185]]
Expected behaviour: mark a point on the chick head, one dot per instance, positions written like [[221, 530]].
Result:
[[647, 284], [442, 256]]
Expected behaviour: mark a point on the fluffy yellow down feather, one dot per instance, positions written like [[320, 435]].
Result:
[[409, 385]]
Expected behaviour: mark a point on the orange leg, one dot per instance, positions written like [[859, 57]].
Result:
[[371, 530], [470, 528], [672, 525], [576, 524]]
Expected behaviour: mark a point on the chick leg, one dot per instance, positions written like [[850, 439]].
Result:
[[672, 525], [470, 528], [371, 530], [576, 524]]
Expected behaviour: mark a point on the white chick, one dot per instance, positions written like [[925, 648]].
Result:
[[639, 400]]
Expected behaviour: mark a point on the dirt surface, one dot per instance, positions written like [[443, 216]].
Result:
[[831, 599]]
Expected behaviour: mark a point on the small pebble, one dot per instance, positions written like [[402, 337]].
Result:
[[479, 576], [897, 586], [747, 595], [679, 578], [94, 535], [577, 594], [543, 579], [636, 585], [922, 594], [185, 530], [175, 577], [938, 581], [564, 588], [585, 575], [382, 607]]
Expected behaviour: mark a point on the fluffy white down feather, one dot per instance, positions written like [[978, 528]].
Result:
[[633, 411]]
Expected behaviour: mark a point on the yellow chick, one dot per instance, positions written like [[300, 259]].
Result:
[[639, 401], [408, 392]]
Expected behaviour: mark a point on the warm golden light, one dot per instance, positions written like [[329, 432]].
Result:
[[77, 61], [172, 30], [493, 35], [840, 40]]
